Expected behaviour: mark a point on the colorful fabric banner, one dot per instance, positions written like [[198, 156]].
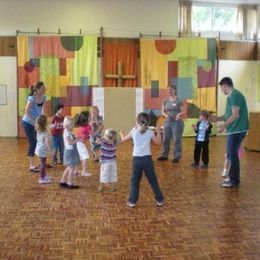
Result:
[[188, 63], [66, 64]]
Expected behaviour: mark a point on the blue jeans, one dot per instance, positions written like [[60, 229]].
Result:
[[172, 129], [31, 135], [145, 164], [57, 145], [233, 143]]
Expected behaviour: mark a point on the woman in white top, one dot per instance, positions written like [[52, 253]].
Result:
[[142, 159]]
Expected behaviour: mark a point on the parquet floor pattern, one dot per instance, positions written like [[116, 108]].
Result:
[[200, 220]]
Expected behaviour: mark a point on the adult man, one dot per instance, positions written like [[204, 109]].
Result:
[[236, 125]]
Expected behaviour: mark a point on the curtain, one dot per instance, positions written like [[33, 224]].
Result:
[[188, 63], [66, 64], [247, 20], [185, 19], [120, 62]]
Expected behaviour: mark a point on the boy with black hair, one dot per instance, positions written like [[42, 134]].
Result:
[[57, 134]]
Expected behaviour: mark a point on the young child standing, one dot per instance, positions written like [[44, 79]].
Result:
[[42, 147], [108, 167], [57, 134], [71, 155], [202, 130], [84, 130], [96, 122], [142, 159]]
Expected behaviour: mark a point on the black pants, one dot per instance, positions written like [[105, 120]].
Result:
[[204, 146], [140, 165]]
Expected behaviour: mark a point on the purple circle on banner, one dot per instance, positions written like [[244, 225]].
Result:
[[29, 66]]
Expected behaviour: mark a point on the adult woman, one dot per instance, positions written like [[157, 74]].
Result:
[[34, 107], [172, 110]]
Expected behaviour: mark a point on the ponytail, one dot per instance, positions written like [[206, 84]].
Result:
[[143, 121], [32, 88]]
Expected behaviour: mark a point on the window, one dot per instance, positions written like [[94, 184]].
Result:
[[213, 18]]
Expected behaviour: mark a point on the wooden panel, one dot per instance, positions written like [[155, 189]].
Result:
[[238, 50], [7, 45], [253, 138], [258, 50]]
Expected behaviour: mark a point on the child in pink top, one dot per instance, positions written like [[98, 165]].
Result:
[[84, 130]]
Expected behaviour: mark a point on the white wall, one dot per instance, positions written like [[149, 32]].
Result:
[[8, 112], [118, 17], [245, 78]]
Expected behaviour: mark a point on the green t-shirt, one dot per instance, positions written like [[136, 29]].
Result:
[[241, 124]]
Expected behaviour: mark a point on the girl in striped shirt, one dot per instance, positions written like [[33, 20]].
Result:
[[108, 167]]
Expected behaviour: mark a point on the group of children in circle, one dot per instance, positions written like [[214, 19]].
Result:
[[72, 149]]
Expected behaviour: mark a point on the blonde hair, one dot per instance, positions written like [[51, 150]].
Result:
[[111, 136], [68, 120], [95, 108], [41, 123]]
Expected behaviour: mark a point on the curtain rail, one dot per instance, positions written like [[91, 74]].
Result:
[[38, 32]]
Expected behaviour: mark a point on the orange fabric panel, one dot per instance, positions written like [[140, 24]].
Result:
[[124, 51]]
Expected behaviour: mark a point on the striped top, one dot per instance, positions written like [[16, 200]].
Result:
[[107, 152]]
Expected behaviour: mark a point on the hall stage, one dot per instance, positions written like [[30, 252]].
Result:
[[199, 220]]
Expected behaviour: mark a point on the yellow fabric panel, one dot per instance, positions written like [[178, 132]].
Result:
[[154, 65], [206, 99], [189, 47], [52, 86], [119, 107], [22, 96], [23, 47], [77, 110], [85, 62]]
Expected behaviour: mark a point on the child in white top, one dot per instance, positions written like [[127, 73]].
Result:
[[142, 159], [43, 147], [108, 167], [71, 155]]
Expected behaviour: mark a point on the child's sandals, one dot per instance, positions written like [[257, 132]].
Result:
[[34, 169]]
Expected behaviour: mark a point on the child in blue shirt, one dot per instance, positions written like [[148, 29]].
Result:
[[203, 130]]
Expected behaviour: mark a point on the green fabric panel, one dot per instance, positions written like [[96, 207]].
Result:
[[187, 68], [22, 97], [85, 62]]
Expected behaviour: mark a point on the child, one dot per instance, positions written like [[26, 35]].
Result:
[[226, 166], [71, 155], [57, 134], [108, 168], [203, 130], [42, 147], [83, 133], [142, 159], [96, 122]]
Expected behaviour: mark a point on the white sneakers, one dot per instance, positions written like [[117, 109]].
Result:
[[46, 180], [86, 174], [225, 173]]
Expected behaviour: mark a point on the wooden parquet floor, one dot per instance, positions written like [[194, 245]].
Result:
[[200, 220]]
